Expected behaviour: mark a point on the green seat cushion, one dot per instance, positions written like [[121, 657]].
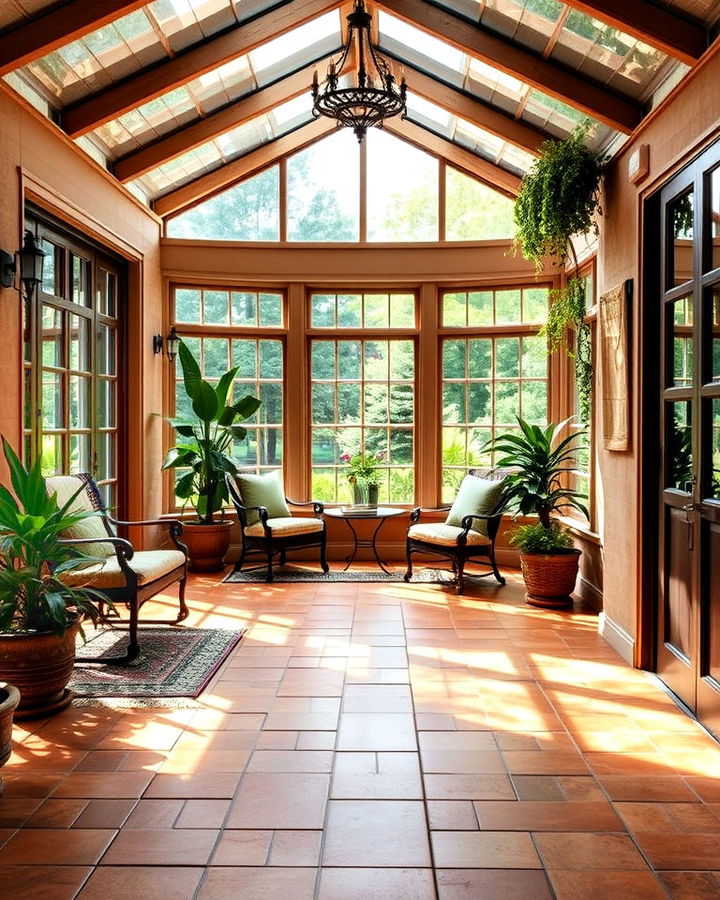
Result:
[[263, 490], [477, 496]]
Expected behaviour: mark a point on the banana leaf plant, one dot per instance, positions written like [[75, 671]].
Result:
[[540, 462], [206, 452], [34, 556]]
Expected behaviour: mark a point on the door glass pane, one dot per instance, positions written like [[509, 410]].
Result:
[[51, 454], [79, 453], [51, 269], [79, 343], [716, 334], [714, 229], [715, 456], [680, 455], [106, 456], [52, 337], [79, 402], [106, 403], [681, 234], [682, 310], [52, 405], [80, 293], [106, 350]]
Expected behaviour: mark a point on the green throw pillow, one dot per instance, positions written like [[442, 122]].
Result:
[[263, 490], [475, 495]]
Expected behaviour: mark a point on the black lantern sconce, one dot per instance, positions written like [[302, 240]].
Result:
[[171, 344], [30, 259]]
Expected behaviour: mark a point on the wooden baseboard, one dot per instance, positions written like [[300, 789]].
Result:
[[617, 637], [588, 592]]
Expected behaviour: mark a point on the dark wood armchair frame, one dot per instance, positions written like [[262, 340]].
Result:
[[269, 544], [133, 594], [461, 552]]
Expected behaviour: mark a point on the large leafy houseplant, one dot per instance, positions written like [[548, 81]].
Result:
[[559, 197], [34, 555], [206, 451], [40, 615], [540, 460]]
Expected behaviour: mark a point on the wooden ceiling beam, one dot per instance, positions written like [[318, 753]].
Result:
[[60, 25], [650, 23], [224, 177], [203, 130], [200, 58], [490, 174], [597, 101], [474, 110]]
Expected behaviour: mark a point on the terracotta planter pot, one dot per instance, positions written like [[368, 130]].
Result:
[[550, 579], [207, 545], [9, 699], [40, 666]]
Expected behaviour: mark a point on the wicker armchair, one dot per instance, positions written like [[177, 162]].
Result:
[[469, 531]]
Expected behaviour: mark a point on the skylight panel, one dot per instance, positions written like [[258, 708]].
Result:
[[295, 110], [305, 36], [436, 116], [423, 43]]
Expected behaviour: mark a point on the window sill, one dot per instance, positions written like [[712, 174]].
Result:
[[581, 529]]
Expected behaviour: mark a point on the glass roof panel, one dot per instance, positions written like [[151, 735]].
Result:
[[291, 50], [422, 49], [228, 146]]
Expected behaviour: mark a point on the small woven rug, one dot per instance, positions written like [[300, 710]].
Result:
[[173, 663], [290, 574]]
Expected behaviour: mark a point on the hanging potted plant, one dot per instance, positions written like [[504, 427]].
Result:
[[540, 461], [40, 616], [206, 454], [560, 197]]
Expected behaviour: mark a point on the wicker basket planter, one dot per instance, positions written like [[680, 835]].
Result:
[[550, 579], [9, 699]]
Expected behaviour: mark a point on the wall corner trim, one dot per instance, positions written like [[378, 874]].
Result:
[[617, 637]]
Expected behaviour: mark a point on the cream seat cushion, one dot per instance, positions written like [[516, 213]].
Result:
[[441, 533], [285, 526], [147, 564]]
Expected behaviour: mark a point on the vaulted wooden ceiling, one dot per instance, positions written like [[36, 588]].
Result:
[[181, 98]]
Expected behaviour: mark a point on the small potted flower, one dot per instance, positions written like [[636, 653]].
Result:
[[364, 478]]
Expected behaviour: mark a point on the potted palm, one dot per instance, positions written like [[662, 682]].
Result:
[[40, 616], [540, 460], [204, 457]]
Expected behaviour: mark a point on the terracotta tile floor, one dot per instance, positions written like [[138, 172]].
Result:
[[374, 741]]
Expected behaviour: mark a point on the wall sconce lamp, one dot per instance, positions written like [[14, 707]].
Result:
[[171, 344], [30, 258]]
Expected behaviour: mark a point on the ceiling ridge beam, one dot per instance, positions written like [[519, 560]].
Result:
[[60, 25], [225, 176], [473, 109], [619, 112], [223, 120], [654, 25], [489, 173], [198, 59]]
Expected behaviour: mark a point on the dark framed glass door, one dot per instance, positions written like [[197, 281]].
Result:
[[688, 614], [73, 352]]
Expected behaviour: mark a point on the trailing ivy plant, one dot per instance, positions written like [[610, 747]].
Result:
[[559, 197]]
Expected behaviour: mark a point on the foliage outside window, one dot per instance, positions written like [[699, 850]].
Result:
[[489, 377], [366, 310], [362, 402], [259, 359], [401, 201]]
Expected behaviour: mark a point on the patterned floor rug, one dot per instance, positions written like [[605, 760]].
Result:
[[290, 574], [173, 662]]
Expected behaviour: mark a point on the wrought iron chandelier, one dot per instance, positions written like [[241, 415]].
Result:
[[376, 97]]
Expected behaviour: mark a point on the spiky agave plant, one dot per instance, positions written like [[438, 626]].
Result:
[[34, 555]]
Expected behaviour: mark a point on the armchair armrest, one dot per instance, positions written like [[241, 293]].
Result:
[[318, 508], [419, 510], [174, 526]]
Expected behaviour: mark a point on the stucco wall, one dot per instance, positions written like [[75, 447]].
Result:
[[686, 122]]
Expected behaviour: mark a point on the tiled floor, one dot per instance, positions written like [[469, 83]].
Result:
[[374, 741]]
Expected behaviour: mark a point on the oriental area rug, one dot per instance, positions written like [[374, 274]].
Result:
[[173, 663], [292, 574]]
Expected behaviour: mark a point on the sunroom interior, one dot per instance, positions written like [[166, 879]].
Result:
[[166, 158]]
